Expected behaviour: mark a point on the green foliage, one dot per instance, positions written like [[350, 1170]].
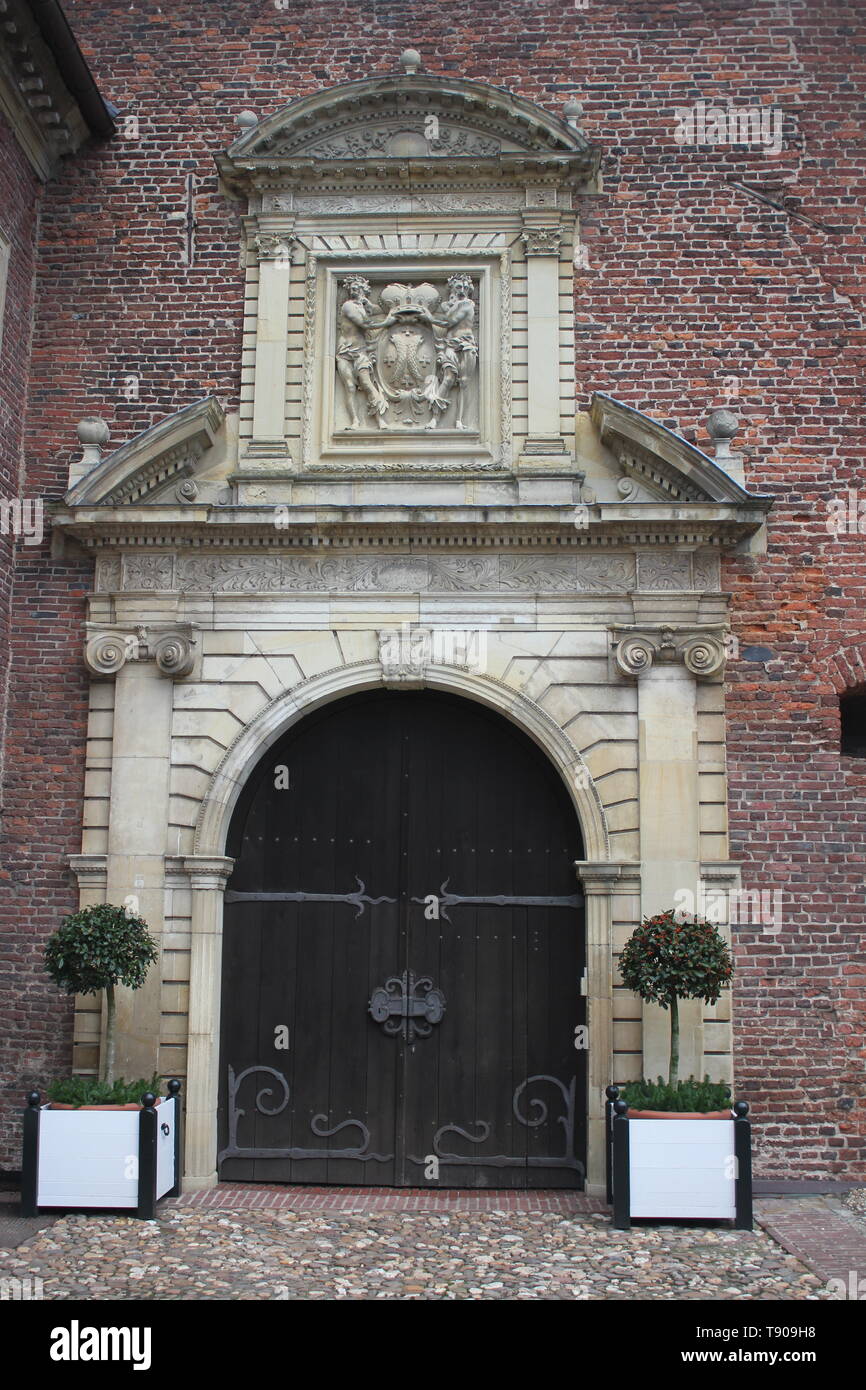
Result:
[[686, 1095], [666, 959], [86, 1090], [100, 947]]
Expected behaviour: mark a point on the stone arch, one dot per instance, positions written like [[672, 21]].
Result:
[[846, 667], [208, 870], [271, 723]]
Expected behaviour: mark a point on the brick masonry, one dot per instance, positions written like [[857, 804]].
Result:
[[710, 271]]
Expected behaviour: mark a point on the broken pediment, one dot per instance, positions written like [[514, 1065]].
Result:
[[151, 467], [176, 484], [658, 463]]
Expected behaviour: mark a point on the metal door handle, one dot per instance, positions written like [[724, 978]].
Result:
[[408, 1006]]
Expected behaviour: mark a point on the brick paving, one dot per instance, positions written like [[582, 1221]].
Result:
[[15, 1228], [820, 1232], [259, 1197]]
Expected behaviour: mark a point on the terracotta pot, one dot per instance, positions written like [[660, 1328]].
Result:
[[680, 1115], [130, 1105]]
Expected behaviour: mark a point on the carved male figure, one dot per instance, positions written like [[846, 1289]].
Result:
[[457, 355], [354, 362]]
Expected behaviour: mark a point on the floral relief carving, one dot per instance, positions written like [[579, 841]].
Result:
[[394, 573], [665, 572], [147, 571]]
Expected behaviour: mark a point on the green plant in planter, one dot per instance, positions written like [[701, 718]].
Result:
[[98, 948], [86, 1090], [688, 1095], [667, 959]]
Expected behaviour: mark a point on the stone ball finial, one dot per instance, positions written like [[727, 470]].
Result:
[[92, 430], [722, 425], [572, 111], [247, 119], [410, 61]]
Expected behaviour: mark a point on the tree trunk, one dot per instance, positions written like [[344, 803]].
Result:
[[110, 1014], [673, 1073]]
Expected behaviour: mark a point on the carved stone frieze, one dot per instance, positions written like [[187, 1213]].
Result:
[[147, 571], [431, 137], [107, 576], [407, 573], [107, 650], [505, 200], [701, 650], [665, 571]]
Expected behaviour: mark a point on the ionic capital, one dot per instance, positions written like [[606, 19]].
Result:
[[172, 647], [701, 650]]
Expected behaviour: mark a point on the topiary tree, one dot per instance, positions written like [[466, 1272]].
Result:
[[666, 959], [98, 948]]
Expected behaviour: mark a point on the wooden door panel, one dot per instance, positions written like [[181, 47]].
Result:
[[403, 798]]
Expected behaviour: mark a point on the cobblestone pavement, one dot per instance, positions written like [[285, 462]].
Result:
[[192, 1252]]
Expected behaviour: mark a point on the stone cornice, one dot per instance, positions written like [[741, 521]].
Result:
[[227, 527], [207, 873], [41, 90], [91, 870]]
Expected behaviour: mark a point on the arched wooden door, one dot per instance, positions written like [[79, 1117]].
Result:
[[404, 955]]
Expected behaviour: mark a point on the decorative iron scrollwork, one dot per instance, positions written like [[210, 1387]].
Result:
[[408, 1006], [318, 1125], [540, 1114]]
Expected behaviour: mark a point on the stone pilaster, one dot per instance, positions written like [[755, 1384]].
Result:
[[542, 236], [268, 448], [138, 816], [207, 878], [667, 661], [600, 881]]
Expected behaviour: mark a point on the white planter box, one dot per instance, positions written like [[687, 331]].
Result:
[[100, 1158], [697, 1169], [682, 1168]]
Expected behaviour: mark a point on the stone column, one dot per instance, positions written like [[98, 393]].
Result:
[[541, 237], [667, 661], [207, 877], [272, 337]]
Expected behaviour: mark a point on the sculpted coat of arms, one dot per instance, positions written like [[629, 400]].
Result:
[[408, 360]]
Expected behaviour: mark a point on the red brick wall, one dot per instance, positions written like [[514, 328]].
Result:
[[692, 279], [19, 193]]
